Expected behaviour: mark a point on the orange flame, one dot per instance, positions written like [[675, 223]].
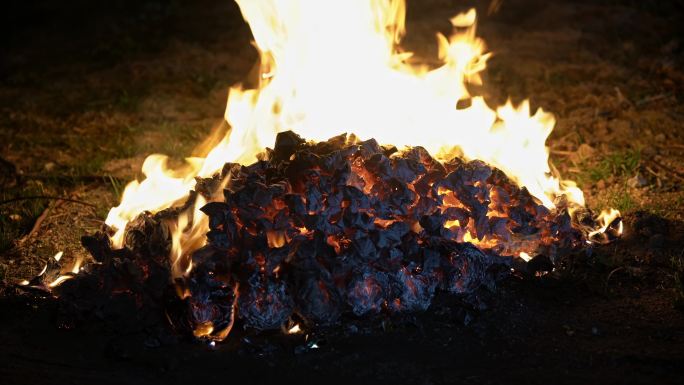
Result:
[[605, 219], [63, 274], [337, 66]]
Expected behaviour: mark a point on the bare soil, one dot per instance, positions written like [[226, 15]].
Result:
[[88, 90]]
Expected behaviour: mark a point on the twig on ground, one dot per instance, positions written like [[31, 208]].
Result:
[[39, 221], [674, 172], [622, 97], [675, 145], [494, 7], [658, 177], [652, 98]]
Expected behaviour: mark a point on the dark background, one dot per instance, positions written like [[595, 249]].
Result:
[[88, 89]]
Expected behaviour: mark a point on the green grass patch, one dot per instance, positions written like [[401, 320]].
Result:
[[622, 163], [117, 186], [622, 201], [619, 198]]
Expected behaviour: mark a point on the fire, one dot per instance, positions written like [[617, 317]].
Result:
[[53, 274], [606, 220], [322, 75], [355, 77], [329, 67]]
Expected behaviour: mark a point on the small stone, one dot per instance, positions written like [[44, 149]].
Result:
[[637, 181], [595, 331], [49, 166]]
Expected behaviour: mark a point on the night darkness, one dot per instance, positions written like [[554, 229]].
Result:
[[89, 89]]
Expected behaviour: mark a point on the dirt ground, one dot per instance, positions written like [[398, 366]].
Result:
[[88, 90]]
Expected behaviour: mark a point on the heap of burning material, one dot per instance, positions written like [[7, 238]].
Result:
[[315, 230]]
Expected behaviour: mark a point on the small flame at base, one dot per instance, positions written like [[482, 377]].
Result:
[[610, 227], [53, 274]]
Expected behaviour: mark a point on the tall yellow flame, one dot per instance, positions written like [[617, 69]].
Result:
[[330, 66]]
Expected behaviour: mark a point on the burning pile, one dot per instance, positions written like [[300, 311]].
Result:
[[320, 229], [324, 228], [314, 230]]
